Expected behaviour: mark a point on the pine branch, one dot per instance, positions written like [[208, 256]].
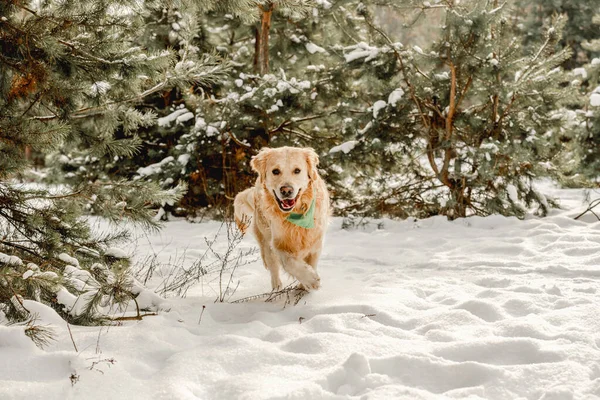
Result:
[[98, 110], [411, 88], [90, 56]]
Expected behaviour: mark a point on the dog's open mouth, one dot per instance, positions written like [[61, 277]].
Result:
[[286, 204]]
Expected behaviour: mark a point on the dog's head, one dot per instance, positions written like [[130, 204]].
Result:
[[286, 173]]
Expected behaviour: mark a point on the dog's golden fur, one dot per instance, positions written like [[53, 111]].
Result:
[[282, 243]]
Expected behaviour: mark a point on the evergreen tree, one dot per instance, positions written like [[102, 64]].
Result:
[[533, 15], [581, 33], [284, 90], [462, 127], [72, 75], [589, 130], [176, 27]]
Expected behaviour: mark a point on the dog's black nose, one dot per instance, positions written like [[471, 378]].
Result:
[[286, 191]]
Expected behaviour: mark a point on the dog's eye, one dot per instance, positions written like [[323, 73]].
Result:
[[297, 171], [276, 171]]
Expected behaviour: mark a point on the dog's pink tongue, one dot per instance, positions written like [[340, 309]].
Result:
[[289, 203]]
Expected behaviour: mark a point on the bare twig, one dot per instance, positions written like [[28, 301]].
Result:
[[291, 292], [134, 318], [201, 313], [590, 209], [72, 339], [108, 361]]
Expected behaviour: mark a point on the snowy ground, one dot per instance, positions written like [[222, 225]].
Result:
[[492, 308]]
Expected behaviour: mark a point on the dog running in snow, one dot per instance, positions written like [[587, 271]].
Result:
[[288, 211]]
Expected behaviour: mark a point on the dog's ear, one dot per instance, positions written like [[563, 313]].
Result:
[[258, 163], [312, 160]]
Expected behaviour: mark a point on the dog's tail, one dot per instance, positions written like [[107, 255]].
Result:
[[243, 209]]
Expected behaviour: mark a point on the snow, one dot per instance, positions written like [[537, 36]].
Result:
[[154, 168], [518, 75], [361, 50], [478, 308], [12, 338], [116, 252], [293, 86], [595, 100], [211, 131], [68, 259], [247, 95], [378, 106], [167, 120], [580, 72], [67, 299], [28, 274], [319, 67], [444, 76], [324, 3], [395, 96], [10, 260], [80, 279], [366, 128], [200, 123], [99, 88], [184, 117], [183, 159], [313, 48], [159, 214], [512, 194], [344, 147]]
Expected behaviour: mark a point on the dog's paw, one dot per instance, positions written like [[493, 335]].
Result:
[[312, 283]]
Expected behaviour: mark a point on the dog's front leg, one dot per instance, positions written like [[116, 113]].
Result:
[[272, 264], [313, 258], [270, 260], [299, 269]]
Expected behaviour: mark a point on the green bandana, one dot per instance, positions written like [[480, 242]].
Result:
[[306, 220]]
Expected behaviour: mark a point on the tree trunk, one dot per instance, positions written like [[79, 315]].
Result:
[[261, 48], [460, 202]]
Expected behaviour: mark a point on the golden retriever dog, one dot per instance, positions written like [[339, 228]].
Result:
[[288, 211]]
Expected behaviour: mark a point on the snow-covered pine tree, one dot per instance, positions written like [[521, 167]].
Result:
[[72, 75], [176, 28], [287, 90], [533, 15], [464, 126], [581, 33], [589, 131]]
